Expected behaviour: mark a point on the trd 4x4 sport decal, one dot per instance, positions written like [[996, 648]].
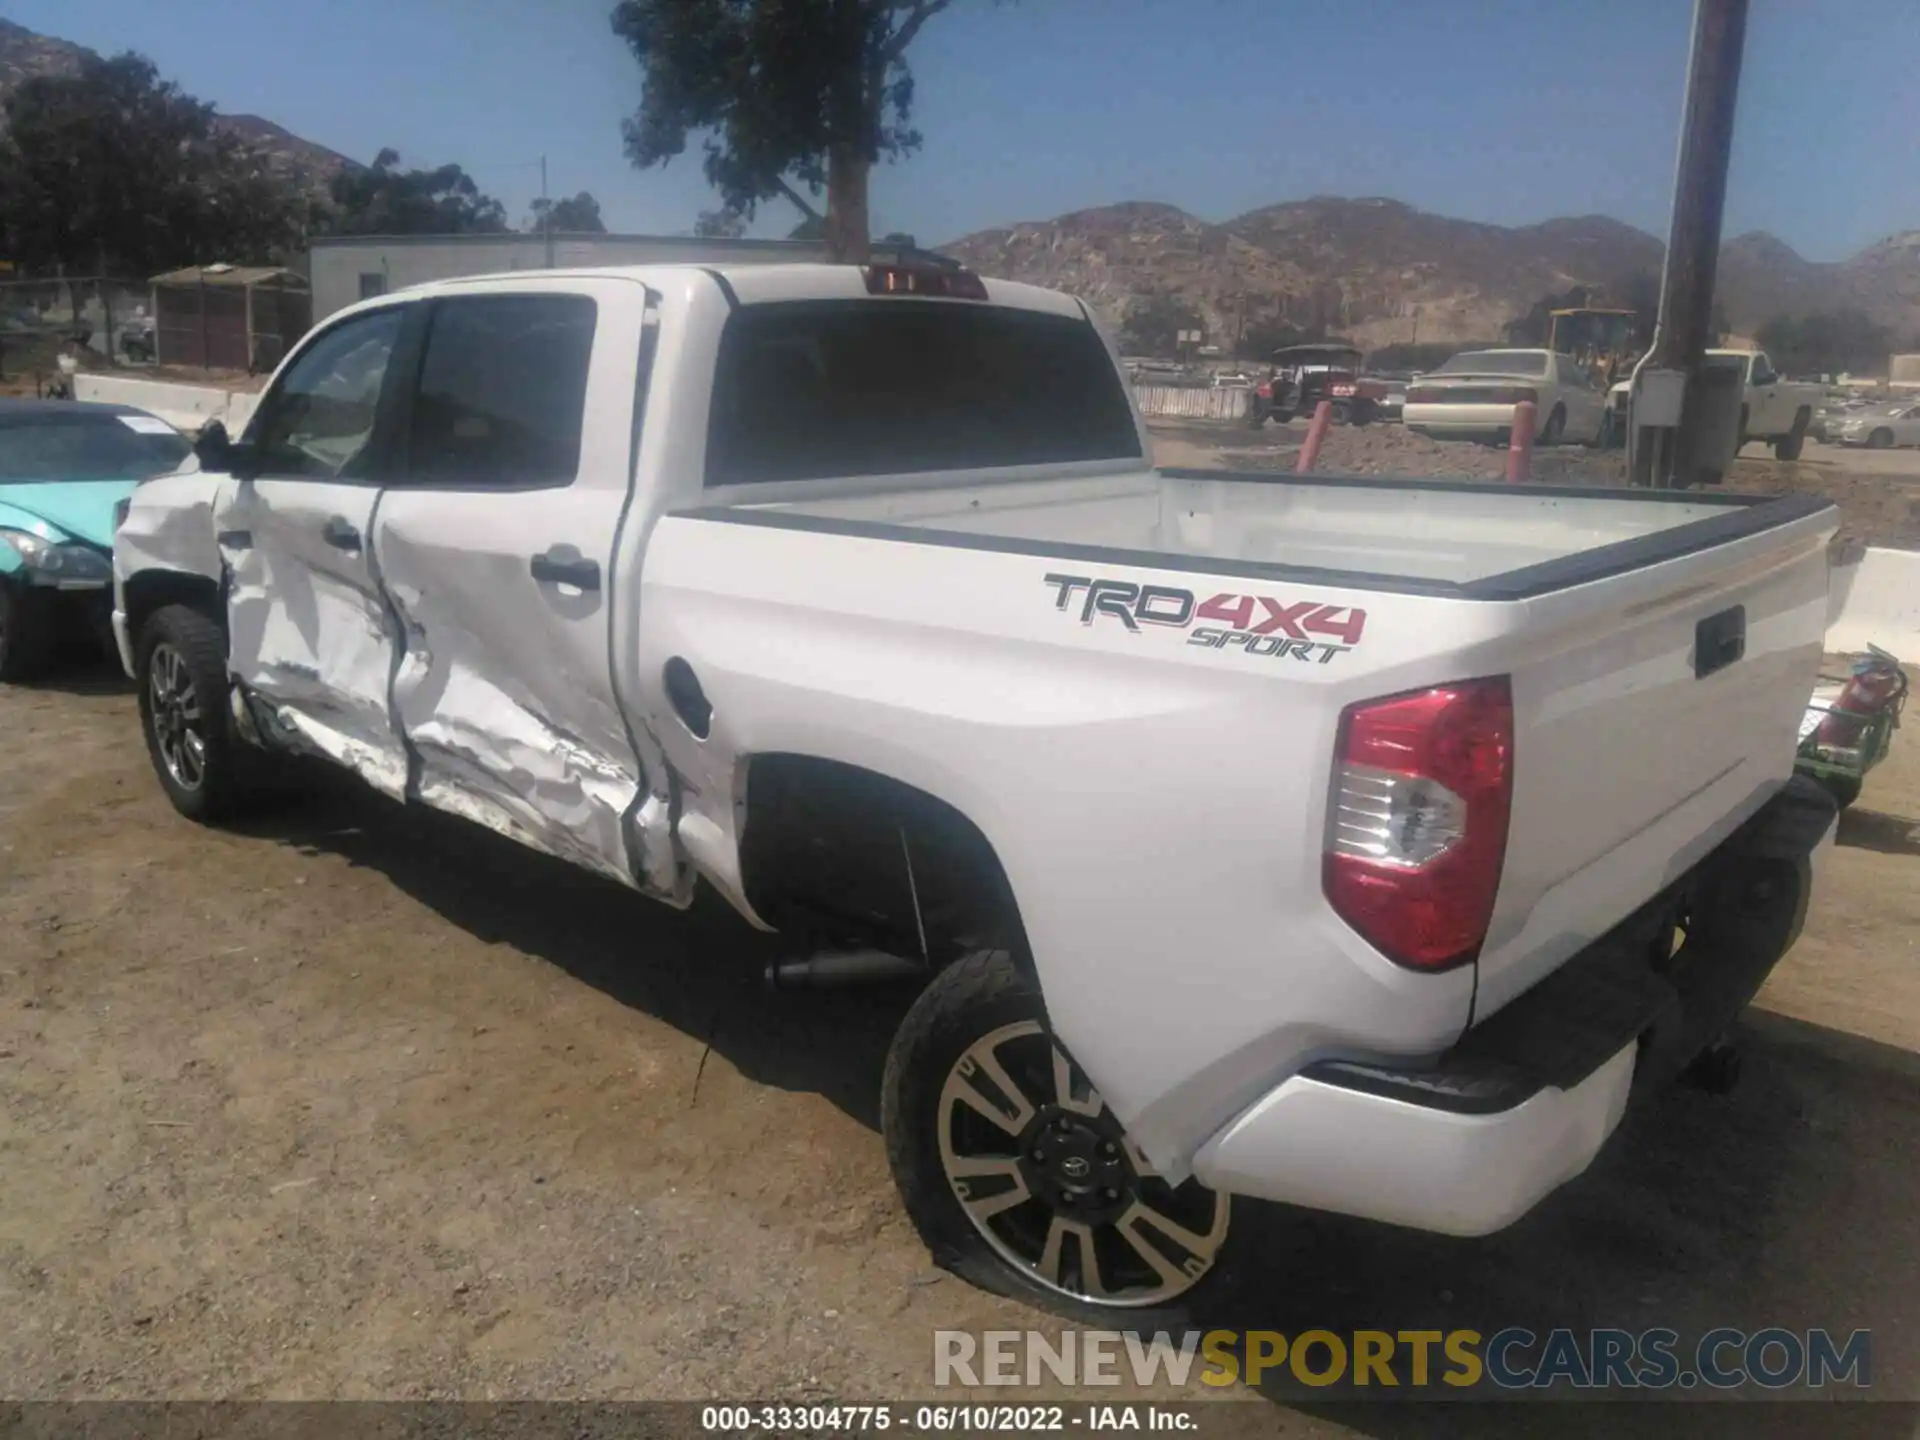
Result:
[[1255, 624]]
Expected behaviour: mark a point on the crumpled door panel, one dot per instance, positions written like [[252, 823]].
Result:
[[311, 637], [504, 687]]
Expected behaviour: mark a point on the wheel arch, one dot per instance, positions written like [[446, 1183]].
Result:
[[149, 591], [836, 853]]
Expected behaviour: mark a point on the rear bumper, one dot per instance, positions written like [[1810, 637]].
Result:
[[1460, 420], [1523, 1102]]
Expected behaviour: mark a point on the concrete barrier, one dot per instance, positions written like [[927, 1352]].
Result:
[[185, 407], [1192, 402], [1873, 597]]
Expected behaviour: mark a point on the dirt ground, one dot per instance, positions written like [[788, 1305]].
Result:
[[362, 1102], [1878, 491]]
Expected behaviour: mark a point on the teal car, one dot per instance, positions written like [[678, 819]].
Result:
[[64, 467]]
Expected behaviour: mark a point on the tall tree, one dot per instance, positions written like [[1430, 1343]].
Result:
[[789, 95], [113, 167], [719, 225], [387, 200], [569, 215]]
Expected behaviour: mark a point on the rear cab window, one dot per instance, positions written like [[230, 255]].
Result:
[[502, 393], [812, 390]]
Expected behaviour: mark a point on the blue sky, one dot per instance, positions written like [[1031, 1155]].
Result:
[[1504, 110]]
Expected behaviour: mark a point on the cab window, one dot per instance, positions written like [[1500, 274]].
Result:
[[319, 419]]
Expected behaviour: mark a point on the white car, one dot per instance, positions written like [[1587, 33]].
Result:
[[1879, 427], [1321, 840], [1473, 395]]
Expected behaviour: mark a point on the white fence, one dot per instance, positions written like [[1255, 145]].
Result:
[[1192, 402], [185, 407]]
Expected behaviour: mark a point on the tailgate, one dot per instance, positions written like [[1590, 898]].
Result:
[[1655, 709]]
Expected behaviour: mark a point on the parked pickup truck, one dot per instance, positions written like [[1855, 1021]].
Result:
[[1328, 841], [1779, 412]]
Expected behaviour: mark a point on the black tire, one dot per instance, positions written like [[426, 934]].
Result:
[[1340, 413], [218, 786], [1740, 442], [28, 633], [1363, 413], [968, 1007], [1556, 427], [1789, 445], [1845, 789], [1881, 439]]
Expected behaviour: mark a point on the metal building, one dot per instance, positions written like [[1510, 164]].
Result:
[[344, 269]]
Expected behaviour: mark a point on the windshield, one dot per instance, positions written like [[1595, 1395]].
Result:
[[812, 390], [87, 445], [1496, 362]]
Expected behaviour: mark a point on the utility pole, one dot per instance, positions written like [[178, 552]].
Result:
[[1668, 414], [546, 212]]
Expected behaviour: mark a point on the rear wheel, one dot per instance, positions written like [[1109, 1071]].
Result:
[[1556, 427], [1017, 1175], [1881, 439], [1340, 412], [27, 633], [1845, 789]]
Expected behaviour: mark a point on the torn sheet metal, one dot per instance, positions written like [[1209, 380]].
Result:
[[310, 635], [169, 526], [503, 688]]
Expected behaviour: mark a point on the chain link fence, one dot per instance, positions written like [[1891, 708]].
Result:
[[100, 320]]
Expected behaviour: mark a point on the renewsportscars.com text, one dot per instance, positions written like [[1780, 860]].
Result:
[[1774, 1358]]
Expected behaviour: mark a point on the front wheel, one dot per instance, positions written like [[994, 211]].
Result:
[[1014, 1171], [1789, 445], [1881, 439], [181, 665]]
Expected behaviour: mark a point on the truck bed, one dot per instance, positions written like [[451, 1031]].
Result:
[[1428, 537], [1095, 663]]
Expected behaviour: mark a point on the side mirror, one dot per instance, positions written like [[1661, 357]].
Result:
[[212, 447], [220, 454]]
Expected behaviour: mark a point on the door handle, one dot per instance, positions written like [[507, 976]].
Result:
[[1719, 641], [564, 565], [341, 535]]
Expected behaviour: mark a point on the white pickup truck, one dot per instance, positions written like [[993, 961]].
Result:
[[1361, 844], [1772, 410]]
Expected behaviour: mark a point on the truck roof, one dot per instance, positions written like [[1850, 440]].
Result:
[[760, 284]]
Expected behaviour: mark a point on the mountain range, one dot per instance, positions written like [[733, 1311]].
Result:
[[1382, 271], [25, 54], [1376, 269]]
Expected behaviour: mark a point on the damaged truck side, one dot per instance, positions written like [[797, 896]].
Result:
[[1361, 844]]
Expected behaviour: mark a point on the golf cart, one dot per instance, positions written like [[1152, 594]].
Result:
[[1304, 375]]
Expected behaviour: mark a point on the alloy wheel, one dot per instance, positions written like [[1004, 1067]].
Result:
[[1051, 1181], [175, 707]]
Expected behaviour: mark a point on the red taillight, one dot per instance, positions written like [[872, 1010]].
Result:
[[949, 284], [1422, 789], [1514, 394], [1264, 390]]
